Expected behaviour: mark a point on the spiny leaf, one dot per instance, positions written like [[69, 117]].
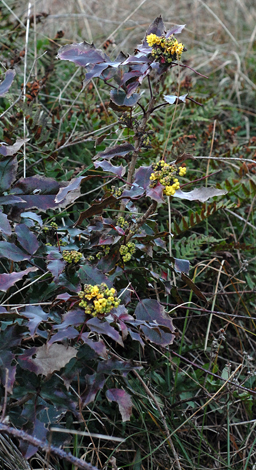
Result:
[[6, 83], [5, 224], [81, 54], [8, 170], [26, 239], [181, 265], [200, 194], [121, 98], [171, 99], [156, 326], [107, 166], [116, 151], [8, 150], [124, 401], [49, 358], [11, 251], [8, 280]]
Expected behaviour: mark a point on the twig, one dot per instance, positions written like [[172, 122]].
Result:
[[46, 447]]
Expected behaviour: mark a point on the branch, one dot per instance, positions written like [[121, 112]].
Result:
[[46, 447]]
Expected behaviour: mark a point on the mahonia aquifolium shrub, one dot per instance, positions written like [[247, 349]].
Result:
[[98, 299], [166, 174]]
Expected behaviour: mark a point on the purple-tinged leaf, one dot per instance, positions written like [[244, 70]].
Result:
[[97, 208], [107, 166], [134, 192], [175, 30], [94, 383], [96, 70], [55, 254], [123, 400], [119, 97], [103, 328], [133, 59], [73, 187], [91, 275], [117, 151], [156, 193], [68, 333], [31, 215], [6, 83], [159, 242], [39, 432], [157, 334], [5, 224], [193, 287], [152, 311], [9, 338], [74, 317], [40, 202], [70, 282], [156, 27], [137, 337], [51, 358], [11, 251], [8, 280], [8, 150], [56, 267], [6, 200], [134, 72], [36, 185], [158, 326], [142, 176], [8, 170], [200, 194], [181, 265], [25, 360], [108, 262], [82, 54], [97, 346], [132, 86], [26, 239], [107, 367], [35, 315], [65, 296], [171, 99]]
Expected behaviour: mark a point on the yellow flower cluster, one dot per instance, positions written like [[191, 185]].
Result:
[[124, 224], [166, 174], [165, 50], [71, 256], [126, 251], [98, 299]]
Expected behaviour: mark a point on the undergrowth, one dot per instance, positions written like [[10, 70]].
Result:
[[127, 246]]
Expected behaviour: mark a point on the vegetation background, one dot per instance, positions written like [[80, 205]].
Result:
[[194, 401]]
